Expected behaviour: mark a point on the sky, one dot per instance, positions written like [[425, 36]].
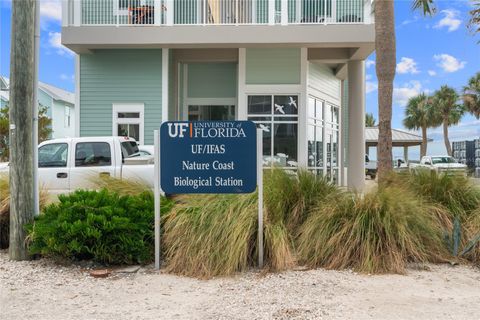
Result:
[[431, 52]]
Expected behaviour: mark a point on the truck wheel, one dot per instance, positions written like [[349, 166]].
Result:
[[373, 176]]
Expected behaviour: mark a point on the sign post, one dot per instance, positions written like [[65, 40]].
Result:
[[156, 193], [260, 195]]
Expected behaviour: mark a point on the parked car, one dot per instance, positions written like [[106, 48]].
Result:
[[370, 168], [439, 164], [145, 150], [68, 164]]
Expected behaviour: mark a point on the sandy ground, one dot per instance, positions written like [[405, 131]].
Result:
[[43, 290]]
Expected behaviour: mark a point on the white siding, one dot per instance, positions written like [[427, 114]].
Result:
[[323, 84]]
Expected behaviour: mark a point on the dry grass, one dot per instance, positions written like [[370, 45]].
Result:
[[122, 187], [5, 209], [376, 233]]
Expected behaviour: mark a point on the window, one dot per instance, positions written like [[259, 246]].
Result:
[[323, 137], [129, 148], [67, 117], [53, 155], [211, 112], [92, 154], [128, 121], [277, 116]]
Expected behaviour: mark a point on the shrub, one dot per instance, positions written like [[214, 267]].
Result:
[[97, 225], [376, 233], [5, 209]]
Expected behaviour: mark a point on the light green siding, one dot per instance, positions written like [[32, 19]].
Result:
[[119, 76], [45, 100], [212, 80], [273, 66]]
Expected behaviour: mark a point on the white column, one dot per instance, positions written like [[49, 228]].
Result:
[[165, 80], [284, 12], [271, 12], [302, 111], [356, 125], [157, 12], [405, 154], [65, 21], [77, 12], [367, 12], [77, 96], [170, 9], [242, 98]]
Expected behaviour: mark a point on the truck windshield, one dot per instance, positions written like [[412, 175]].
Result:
[[436, 160], [129, 148]]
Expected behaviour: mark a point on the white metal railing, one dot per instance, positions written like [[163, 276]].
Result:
[[214, 12]]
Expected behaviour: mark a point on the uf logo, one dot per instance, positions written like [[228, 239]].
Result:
[[177, 129]]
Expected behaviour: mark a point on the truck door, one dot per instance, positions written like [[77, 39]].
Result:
[[53, 167], [92, 160]]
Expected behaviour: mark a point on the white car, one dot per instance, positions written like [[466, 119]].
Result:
[[68, 164], [439, 164]]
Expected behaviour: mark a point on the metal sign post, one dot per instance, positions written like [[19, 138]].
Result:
[[157, 195], [260, 195]]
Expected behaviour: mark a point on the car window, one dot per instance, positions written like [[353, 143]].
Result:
[[53, 155], [92, 154], [129, 148], [437, 160]]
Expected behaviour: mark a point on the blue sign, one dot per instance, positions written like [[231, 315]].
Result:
[[208, 157]]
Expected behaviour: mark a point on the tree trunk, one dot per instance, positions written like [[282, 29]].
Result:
[[385, 68], [423, 148], [448, 146], [21, 125]]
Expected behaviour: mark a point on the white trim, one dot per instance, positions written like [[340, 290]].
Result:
[[129, 107], [241, 96], [210, 101], [302, 111], [77, 96], [280, 89], [165, 79]]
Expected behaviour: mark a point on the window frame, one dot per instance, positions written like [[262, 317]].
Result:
[[96, 165], [129, 108], [51, 144], [274, 120]]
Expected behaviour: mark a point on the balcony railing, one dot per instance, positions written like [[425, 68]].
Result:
[[214, 12]]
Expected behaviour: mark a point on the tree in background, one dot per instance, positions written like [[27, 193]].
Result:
[[370, 120], [386, 59], [420, 114], [474, 23], [44, 129], [446, 106], [471, 95]]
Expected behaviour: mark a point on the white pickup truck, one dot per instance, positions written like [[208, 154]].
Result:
[[73, 163], [439, 164]]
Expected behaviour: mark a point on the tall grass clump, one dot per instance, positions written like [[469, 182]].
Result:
[[216, 235], [210, 235], [378, 232], [120, 186], [5, 209], [457, 193]]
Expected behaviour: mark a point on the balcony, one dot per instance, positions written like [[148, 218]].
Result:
[[129, 13]]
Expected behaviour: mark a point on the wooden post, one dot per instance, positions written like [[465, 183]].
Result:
[[21, 125]]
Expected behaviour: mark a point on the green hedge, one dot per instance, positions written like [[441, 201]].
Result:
[[97, 225]]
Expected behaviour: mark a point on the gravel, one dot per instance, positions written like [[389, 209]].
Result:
[[41, 289]]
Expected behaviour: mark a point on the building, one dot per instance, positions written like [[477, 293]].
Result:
[[60, 105], [464, 152], [400, 139], [296, 68]]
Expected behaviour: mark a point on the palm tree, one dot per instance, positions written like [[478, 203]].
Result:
[[370, 120], [385, 68], [471, 95], [419, 114], [474, 23], [446, 106]]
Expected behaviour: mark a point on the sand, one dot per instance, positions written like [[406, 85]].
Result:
[[43, 290]]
